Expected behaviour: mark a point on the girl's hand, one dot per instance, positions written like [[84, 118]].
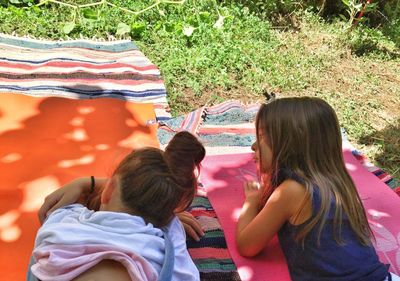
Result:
[[191, 225], [68, 194], [252, 192]]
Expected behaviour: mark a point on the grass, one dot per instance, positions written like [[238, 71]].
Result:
[[357, 72]]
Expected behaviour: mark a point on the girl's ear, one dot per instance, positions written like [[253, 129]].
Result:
[[107, 192]]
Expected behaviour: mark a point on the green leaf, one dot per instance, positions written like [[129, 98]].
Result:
[[343, 17], [14, 1], [137, 29], [123, 28], [358, 7], [169, 27], [346, 2], [204, 16], [362, 20], [89, 14], [371, 7], [178, 27], [68, 27], [192, 21]]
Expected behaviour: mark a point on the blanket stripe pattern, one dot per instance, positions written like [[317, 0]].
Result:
[[81, 69], [227, 128], [210, 254]]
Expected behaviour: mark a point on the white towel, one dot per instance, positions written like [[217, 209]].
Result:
[[107, 235]]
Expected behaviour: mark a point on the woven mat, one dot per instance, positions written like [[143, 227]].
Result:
[[81, 69]]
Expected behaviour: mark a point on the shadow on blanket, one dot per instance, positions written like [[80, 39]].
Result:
[[46, 142], [226, 129], [223, 177]]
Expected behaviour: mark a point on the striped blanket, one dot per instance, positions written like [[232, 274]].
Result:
[[81, 69], [228, 128], [65, 105], [224, 128]]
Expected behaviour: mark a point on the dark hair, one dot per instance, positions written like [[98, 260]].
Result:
[[155, 184], [304, 136]]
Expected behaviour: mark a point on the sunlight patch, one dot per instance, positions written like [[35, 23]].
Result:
[[10, 234], [36, 191], [85, 160], [12, 157], [245, 272], [86, 109]]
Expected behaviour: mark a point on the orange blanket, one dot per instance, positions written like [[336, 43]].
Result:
[[46, 142]]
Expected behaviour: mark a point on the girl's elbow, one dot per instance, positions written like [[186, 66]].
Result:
[[247, 252], [244, 249]]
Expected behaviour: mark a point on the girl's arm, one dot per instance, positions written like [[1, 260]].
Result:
[[256, 228], [76, 191]]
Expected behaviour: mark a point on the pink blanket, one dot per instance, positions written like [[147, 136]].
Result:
[[223, 176]]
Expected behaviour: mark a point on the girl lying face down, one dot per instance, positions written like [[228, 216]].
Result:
[[136, 224]]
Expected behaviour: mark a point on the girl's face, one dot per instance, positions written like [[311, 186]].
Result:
[[262, 153]]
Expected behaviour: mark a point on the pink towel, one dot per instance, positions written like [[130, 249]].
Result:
[[383, 210], [223, 177]]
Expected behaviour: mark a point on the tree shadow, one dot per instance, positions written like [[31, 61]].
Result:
[[389, 140], [45, 143]]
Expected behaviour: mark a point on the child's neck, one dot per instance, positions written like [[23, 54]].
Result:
[[114, 205]]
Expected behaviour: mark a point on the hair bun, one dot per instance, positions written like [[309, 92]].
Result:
[[183, 155], [187, 145]]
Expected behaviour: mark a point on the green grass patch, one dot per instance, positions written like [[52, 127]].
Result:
[[211, 51]]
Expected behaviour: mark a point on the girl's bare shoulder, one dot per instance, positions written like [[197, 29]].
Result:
[[291, 193], [291, 188]]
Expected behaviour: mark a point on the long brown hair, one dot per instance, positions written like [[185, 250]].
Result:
[[304, 136], [155, 184]]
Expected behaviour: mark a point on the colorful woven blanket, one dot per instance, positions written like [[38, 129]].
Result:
[[81, 69]]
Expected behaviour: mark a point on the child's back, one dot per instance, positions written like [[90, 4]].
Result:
[[74, 239], [322, 259]]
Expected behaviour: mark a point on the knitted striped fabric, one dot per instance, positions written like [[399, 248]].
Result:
[[81, 69], [210, 254]]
